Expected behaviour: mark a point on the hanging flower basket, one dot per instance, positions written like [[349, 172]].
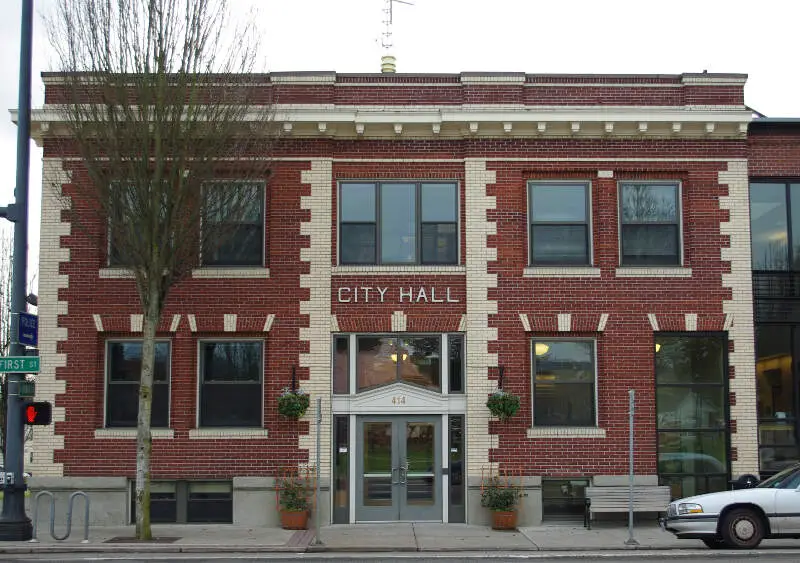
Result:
[[293, 403], [503, 404]]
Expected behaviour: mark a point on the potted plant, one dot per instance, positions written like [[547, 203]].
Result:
[[293, 500], [293, 403], [501, 498], [503, 404]]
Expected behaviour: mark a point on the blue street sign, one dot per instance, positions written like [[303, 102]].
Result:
[[28, 332]]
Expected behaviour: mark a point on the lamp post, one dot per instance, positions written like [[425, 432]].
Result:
[[14, 523]]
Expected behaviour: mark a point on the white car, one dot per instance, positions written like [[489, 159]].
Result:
[[740, 518]]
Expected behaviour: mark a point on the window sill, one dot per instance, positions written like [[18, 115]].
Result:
[[228, 272], [654, 272], [116, 273], [232, 433], [561, 272], [130, 433], [445, 269], [567, 432]]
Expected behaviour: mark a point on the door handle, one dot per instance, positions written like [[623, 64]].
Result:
[[398, 482], [404, 474]]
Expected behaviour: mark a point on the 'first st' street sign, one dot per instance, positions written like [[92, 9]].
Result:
[[19, 364]]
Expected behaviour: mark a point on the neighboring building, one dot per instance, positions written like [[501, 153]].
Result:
[[774, 168], [581, 235]]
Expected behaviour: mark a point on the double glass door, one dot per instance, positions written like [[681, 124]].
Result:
[[398, 471]]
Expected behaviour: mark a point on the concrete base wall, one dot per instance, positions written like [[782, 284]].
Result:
[[108, 500], [529, 510]]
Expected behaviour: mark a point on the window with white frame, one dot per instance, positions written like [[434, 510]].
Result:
[[123, 374], [398, 223], [564, 382], [560, 229], [231, 383], [650, 224], [234, 222]]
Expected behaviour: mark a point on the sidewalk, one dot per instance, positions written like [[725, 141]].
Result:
[[405, 537]]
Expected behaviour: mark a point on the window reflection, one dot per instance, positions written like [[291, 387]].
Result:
[[384, 360], [768, 228]]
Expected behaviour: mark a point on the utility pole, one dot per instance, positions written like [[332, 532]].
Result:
[[14, 522]]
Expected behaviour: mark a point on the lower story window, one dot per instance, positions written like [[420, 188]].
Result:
[[188, 502], [563, 382], [123, 373], [563, 499], [231, 393]]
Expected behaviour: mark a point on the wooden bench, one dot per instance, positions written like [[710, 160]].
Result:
[[646, 498]]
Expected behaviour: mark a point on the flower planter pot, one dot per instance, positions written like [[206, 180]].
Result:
[[502, 520], [294, 519]]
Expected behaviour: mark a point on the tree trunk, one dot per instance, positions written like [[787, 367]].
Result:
[[144, 439]]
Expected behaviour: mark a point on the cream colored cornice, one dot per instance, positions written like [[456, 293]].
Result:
[[507, 121]]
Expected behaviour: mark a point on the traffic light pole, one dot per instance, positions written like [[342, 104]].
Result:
[[14, 522]]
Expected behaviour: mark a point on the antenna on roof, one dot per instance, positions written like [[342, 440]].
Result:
[[388, 61]]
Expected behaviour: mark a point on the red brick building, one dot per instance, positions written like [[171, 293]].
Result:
[[425, 239]]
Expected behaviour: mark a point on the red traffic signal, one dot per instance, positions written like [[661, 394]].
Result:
[[38, 413]]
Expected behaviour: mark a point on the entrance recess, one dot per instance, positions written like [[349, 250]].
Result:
[[399, 475]]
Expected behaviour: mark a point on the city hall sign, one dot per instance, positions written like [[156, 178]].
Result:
[[367, 294]]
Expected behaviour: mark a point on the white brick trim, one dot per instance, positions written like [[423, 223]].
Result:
[[564, 322], [462, 324], [601, 325], [98, 322], [115, 274], [566, 432], [268, 322], [740, 307], [229, 322], [334, 323], [399, 321], [176, 322], [676, 272], [653, 321], [526, 323], [192, 322], [691, 321], [230, 273], [228, 433], [318, 306], [561, 272], [479, 308], [130, 433], [51, 255], [137, 322]]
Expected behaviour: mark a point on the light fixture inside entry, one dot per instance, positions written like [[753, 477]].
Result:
[[658, 346], [394, 357], [541, 348]]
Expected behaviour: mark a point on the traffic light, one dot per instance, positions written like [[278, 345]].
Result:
[[38, 413]]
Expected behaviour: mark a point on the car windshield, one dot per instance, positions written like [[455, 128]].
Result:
[[786, 479]]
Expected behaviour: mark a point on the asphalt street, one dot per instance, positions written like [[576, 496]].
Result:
[[782, 556]]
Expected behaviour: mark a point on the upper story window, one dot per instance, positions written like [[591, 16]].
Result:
[[129, 205], [564, 383], [398, 223], [650, 224], [559, 223], [774, 220], [234, 211], [123, 373], [231, 390]]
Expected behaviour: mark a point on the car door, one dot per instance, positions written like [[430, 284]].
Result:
[[787, 505]]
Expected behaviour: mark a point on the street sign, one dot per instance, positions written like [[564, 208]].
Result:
[[28, 330], [27, 389], [19, 364]]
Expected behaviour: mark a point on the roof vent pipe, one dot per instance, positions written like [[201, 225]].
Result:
[[388, 64]]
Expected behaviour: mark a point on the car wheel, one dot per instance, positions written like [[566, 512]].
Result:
[[713, 543], [742, 528]]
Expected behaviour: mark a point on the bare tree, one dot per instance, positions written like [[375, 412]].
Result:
[[161, 102], [6, 254]]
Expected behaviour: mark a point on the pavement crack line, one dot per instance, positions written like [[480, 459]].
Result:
[[414, 531]]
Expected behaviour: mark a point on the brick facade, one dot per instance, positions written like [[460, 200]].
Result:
[[491, 134]]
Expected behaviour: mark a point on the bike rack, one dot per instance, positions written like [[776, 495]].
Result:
[[85, 539]]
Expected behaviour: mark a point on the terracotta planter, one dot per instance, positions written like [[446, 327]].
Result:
[[294, 519], [502, 520]]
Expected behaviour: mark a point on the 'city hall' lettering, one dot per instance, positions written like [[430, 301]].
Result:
[[405, 295]]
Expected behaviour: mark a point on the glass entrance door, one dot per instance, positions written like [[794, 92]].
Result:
[[399, 469]]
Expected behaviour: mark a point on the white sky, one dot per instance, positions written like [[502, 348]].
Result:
[[534, 36]]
